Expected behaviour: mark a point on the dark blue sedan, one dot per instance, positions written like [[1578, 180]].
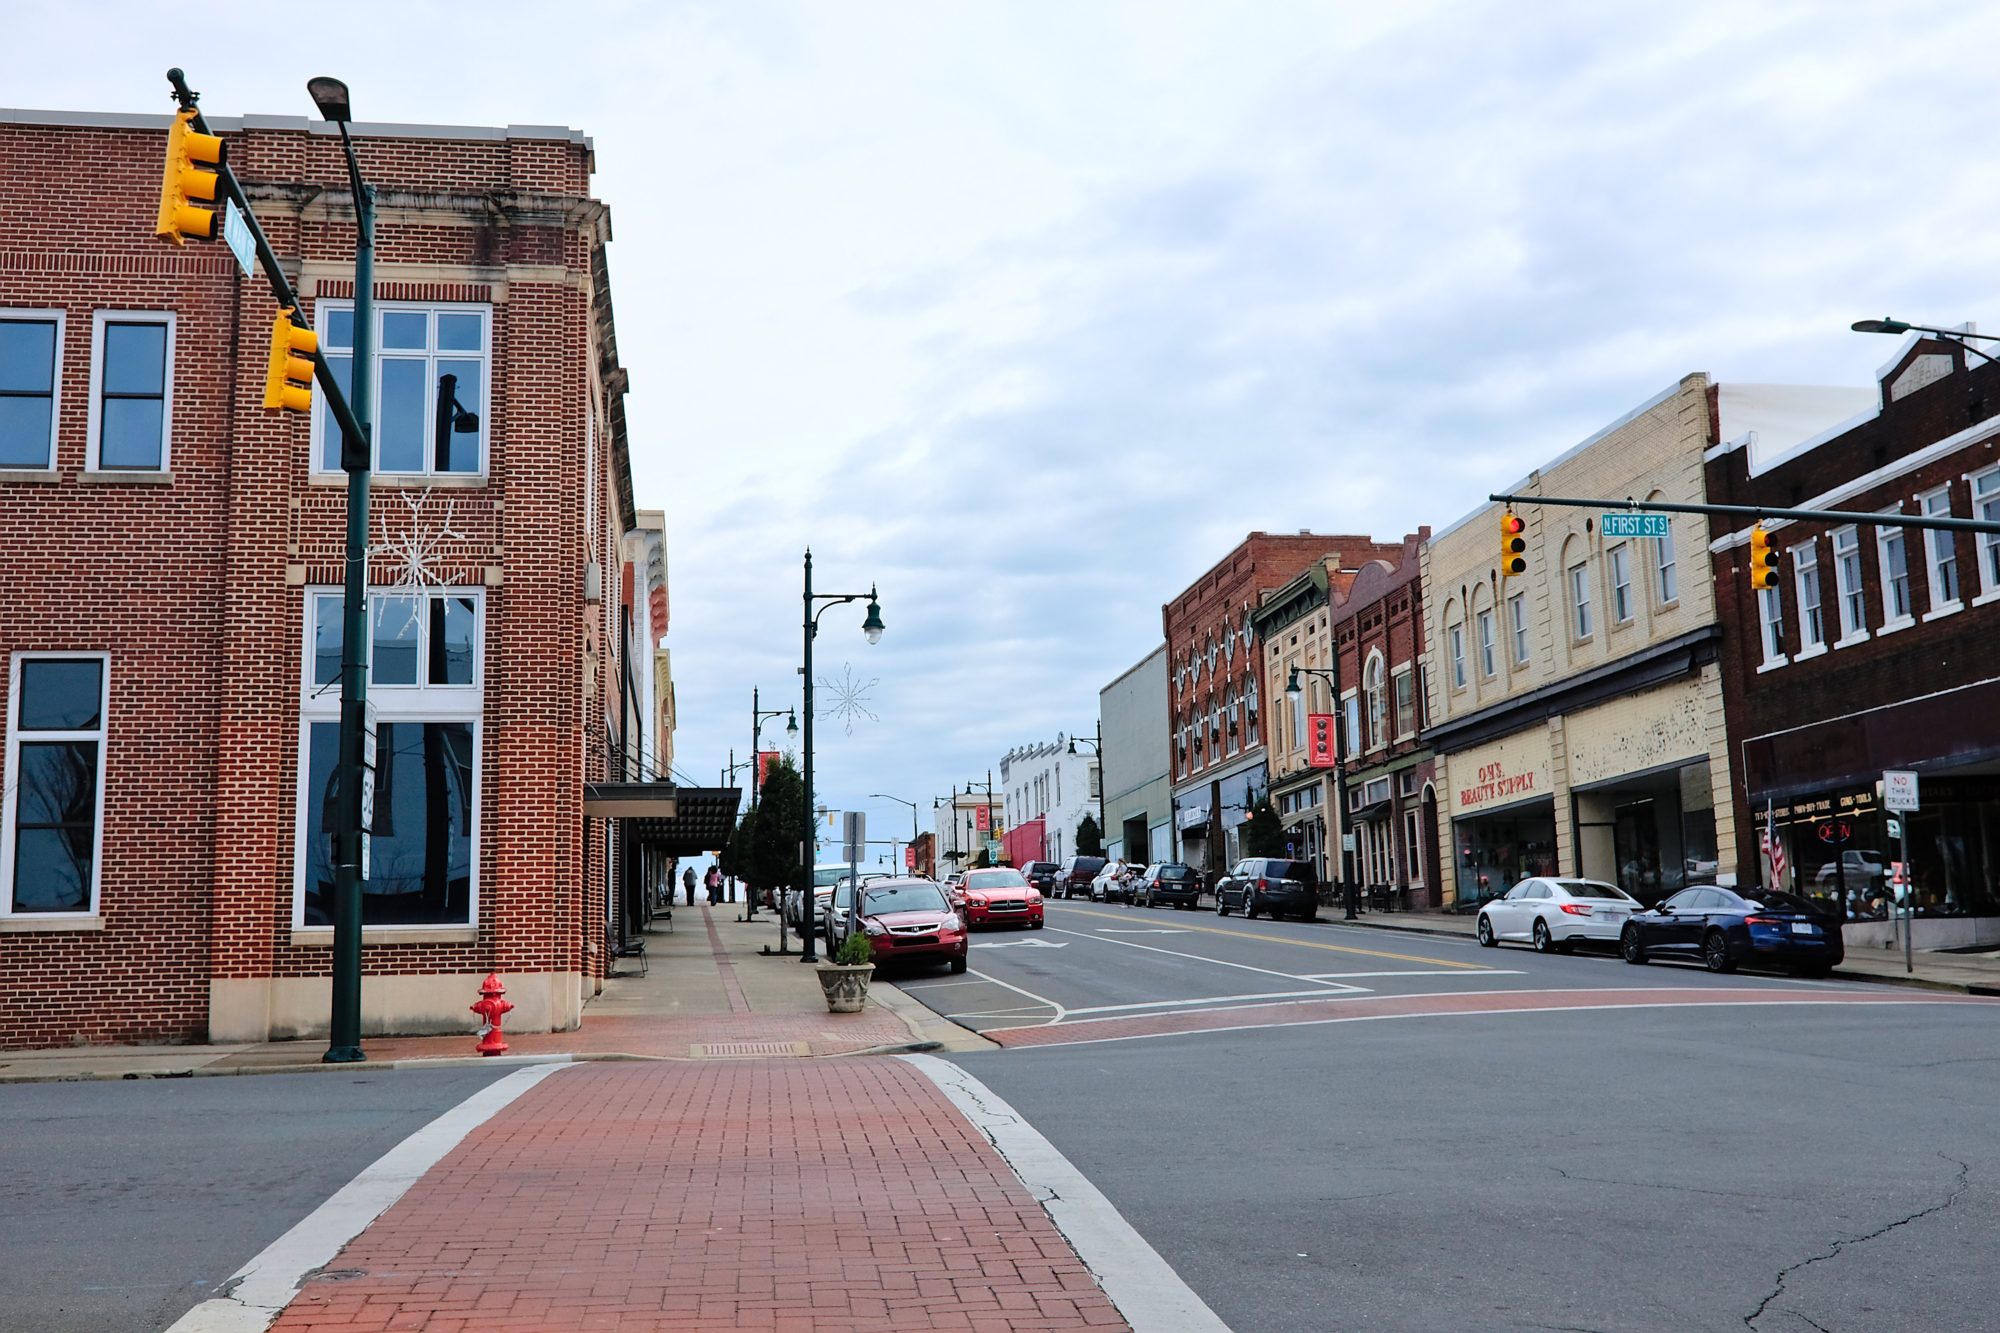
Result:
[[1725, 927]]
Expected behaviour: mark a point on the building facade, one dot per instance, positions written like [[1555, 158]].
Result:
[[960, 832], [1215, 711], [1876, 650], [1378, 630], [1293, 625], [1576, 716], [1138, 793], [167, 866], [1052, 782]]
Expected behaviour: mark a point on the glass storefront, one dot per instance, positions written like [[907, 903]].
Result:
[[1650, 835], [1954, 842], [1492, 852]]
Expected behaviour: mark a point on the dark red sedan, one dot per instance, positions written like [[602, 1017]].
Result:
[[910, 919]]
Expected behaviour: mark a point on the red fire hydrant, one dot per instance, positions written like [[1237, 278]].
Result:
[[491, 1008]]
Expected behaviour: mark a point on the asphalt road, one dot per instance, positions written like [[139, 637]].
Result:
[[1568, 1143], [123, 1204]]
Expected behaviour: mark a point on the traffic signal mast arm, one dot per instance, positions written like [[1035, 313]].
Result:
[[1761, 512], [274, 273]]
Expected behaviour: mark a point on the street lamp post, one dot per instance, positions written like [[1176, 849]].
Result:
[[757, 719], [356, 449], [884, 796], [1897, 326], [1349, 891], [1096, 744], [872, 627]]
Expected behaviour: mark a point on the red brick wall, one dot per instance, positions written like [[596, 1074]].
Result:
[[185, 584]]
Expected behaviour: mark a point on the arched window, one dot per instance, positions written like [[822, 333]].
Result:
[[1376, 687], [1233, 726], [1250, 709]]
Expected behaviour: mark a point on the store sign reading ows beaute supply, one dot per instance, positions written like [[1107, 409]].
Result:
[[1494, 784]]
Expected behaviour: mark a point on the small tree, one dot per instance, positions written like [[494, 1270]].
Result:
[[1264, 832], [773, 862], [1089, 837]]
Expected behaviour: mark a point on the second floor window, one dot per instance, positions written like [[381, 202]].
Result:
[[431, 408], [1457, 636], [1893, 552], [1488, 666], [1406, 707], [1620, 558], [1771, 616], [131, 386], [1667, 577], [1986, 505], [1579, 600], [1517, 616], [1805, 566], [1942, 549], [1847, 584], [30, 352]]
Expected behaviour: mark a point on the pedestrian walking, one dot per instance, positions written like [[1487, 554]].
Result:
[[687, 882], [714, 883]]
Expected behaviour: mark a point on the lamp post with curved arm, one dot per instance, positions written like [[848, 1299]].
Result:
[[1096, 744], [872, 627], [885, 796]]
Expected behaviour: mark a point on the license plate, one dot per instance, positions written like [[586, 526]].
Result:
[[1804, 928]]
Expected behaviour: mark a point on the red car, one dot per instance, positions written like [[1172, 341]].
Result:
[[1001, 897], [909, 918]]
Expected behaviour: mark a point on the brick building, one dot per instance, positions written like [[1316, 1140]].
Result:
[[170, 590], [1877, 647], [1215, 704]]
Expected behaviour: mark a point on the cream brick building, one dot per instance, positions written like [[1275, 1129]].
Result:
[[1576, 709]]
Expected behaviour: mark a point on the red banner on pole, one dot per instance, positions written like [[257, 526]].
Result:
[[982, 819], [769, 760], [1319, 743], [909, 858]]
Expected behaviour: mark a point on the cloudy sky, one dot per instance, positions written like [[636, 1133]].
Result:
[[1028, 311]]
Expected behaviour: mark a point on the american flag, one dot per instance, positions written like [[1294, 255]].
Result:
[[1774, 849]]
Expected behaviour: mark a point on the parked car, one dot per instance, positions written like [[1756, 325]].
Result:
[[908, 919], [1113, 883], [1001, 897], [1168, 882], [1073, 879], [1269, 884], [822, 895], [1554, 914], [1041, 874], [1725, 927]]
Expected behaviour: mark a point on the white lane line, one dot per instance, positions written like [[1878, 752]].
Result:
[[1219, 1001], [1148, 1292], [1416, 972], [1192, 957], [261, 1289], [934, 985], [1038, 999]]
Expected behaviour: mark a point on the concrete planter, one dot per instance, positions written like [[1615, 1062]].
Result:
[[846, 987]]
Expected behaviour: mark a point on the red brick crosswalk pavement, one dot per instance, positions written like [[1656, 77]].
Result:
[[824, 1195]]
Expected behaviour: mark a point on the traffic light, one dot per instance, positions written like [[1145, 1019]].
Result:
[[1763, 560], [194, 161], [1512, 546], [288, 381]]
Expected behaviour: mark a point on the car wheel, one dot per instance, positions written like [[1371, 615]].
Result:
[[1629, 946], [1221, 905], [1544, 942], [1715, 952], [1486, 937], [1249, 907], [958, 963]]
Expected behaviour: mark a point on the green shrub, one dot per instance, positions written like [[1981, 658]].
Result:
[[855, 950]]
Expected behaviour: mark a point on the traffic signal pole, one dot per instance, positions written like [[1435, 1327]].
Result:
[[1943, 523]]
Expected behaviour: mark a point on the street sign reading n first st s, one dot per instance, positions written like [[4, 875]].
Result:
[[1635, 525]]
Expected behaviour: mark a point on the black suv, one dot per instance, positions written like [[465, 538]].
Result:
[[1269, 884], [1168, 882], [1073, 880], [1041, 875]]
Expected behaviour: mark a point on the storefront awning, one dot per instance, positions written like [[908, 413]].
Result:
[[1378, 810], [677, 821]]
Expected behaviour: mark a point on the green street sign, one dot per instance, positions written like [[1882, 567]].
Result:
[[1634, 525]]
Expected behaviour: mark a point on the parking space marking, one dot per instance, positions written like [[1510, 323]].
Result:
[[1218, 1001], [1302, 944], [1038, 999], [1416, 972], [1192, 957]]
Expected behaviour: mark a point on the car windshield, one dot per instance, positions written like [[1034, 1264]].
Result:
[[1771, 901], [1584, 888], [995, 879], [902, 898]]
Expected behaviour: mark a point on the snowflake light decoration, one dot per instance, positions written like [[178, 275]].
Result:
[[850, 697], [413, 554]]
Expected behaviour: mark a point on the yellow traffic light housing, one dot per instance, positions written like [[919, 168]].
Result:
[[194, 162], [1763, 560], [288, 381], [1513, 546]]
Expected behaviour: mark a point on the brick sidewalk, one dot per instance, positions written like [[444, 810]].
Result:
[[632, 1197]]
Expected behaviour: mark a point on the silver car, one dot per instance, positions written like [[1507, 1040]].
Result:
[[1553, 914]]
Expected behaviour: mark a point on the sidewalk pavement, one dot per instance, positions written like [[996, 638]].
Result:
[[707, 993], [1970, 973]]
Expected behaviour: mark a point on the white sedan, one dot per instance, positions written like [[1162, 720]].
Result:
[[1553, 914]]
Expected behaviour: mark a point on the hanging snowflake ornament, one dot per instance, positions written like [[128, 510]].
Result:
[[850, 698], [413, 555]]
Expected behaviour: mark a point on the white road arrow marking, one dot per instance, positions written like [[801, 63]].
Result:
[[1020, 944]]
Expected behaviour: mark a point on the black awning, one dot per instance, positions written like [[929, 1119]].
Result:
[[677, 821], [1378, 810]]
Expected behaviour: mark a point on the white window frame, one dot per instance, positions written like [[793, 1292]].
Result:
[[1666, 570], [1350, 720], [1299, 722], [1811, 609], [1984, 488], [10, 806], [1489, 648], [1771, 626], [1403, 685], [1375, 684], [1455, 635], [1619, 561], [1850, 595], [393, 703], [1886, 537], [17, 314], [1517, 610], [323, 425], [1937, 504], [101, 320], [1579, 602]]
